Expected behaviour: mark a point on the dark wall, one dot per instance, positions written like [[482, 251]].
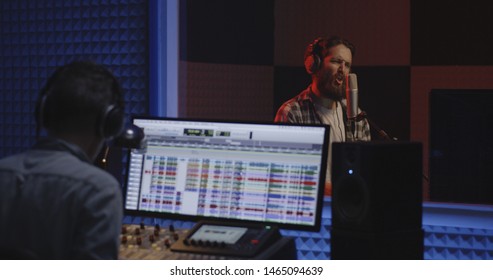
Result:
[[451, 32], [38, 36], [228, 32], [227, 53]]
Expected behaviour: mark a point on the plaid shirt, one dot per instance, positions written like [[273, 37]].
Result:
[[300, 109]]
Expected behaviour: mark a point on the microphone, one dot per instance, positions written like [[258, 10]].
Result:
[[132, 137], [352, 97]]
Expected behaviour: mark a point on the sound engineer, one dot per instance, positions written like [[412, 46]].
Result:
[[54, 203], [328, 61]]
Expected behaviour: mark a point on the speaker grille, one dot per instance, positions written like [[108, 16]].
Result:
[[353, 198]]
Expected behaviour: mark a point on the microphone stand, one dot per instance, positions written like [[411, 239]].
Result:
[[383, 135]]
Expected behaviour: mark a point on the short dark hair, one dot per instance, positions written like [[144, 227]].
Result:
[[321, 46], [75, 97]]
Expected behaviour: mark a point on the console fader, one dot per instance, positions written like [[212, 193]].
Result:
[[141, 242]]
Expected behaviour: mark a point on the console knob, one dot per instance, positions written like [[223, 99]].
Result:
[[139, 240], [167, 243]]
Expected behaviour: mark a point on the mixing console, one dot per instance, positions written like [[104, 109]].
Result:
[[141, 242]]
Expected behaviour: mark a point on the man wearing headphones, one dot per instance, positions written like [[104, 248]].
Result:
[[328, 61], [54, 203]]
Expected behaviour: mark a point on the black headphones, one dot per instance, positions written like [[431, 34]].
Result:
[[313, 59], [110, 120]]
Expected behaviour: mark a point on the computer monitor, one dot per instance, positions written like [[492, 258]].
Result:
[[268, 173]]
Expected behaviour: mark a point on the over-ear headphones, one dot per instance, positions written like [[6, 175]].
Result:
[[313, 57], [110, 120]]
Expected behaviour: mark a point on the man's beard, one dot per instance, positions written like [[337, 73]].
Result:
[[329, 89]]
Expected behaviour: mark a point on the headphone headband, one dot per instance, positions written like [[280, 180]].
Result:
[[313, 59]]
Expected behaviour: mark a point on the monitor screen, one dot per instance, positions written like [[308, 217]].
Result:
[[267, 173]]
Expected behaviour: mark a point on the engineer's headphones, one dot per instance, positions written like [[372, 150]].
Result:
[[109, 122], [313, 59]]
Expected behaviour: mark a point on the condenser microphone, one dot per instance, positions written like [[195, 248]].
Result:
[[352, 97]]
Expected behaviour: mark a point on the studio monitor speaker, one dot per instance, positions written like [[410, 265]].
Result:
[[376, 200]]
